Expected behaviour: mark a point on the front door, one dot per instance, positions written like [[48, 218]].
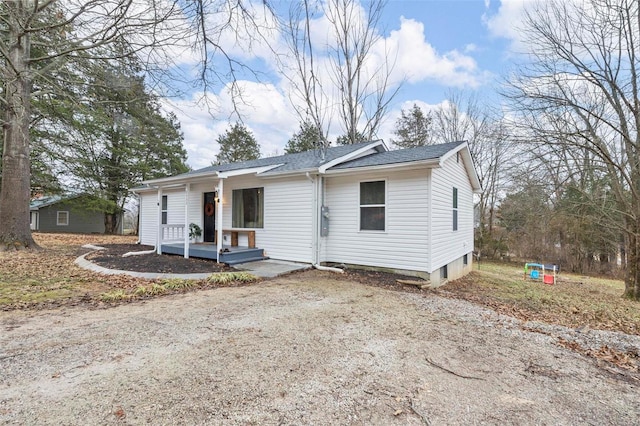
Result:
[[209, 231]]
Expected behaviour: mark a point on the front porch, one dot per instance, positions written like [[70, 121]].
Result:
[[231, 255]]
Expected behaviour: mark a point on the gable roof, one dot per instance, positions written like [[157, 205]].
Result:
[[300, 161], [408, 155], [47, 200], [337, 158], [282, 164]]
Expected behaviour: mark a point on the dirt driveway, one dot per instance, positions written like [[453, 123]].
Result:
[[305, 349]]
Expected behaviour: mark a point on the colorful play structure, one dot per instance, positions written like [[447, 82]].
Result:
[[540, 271]]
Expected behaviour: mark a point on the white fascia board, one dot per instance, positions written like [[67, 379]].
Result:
[[179, 179], [469, 165], [452, 152], [352, 155], [429, 164], [256, 170], [196, 177], [274, 175]]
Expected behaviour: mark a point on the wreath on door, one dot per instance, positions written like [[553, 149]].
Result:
[[208, 209]]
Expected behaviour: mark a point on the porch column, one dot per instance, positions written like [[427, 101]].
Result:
[[159, 231], [219, 194], [187, 188]]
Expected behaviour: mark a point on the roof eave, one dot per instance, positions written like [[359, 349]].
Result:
[[405, 165], [352, 155], [183, 178], [469, 165]]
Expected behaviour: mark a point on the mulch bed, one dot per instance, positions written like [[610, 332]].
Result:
[[165, 263], [382, 279]]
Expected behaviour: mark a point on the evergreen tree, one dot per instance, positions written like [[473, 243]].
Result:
[[413, 128], [347, 140], [115, 138], [306, 139], [237, 144]]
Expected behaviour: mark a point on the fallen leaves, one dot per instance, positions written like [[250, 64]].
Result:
[[573, 302], [626, 360]]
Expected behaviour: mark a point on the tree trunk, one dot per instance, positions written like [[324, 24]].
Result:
[[15, 232], [632, 277], [111, 223]]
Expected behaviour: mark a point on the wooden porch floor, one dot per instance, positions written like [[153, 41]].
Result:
[[231, 254]]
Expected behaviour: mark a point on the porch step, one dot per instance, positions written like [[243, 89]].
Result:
[[240, 256]]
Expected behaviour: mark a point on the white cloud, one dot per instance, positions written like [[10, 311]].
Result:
[[418, 60], [204, 117], [266, 107], [507, 21]]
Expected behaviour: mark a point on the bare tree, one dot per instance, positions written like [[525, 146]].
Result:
[[463, 118], [24, 24], [38, 38], [342, 78], [579, 89]]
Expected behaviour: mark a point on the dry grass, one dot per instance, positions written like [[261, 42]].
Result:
[[50, 276], [573, 301]]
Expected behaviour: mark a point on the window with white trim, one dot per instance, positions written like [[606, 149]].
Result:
[[455, 209], [247, 208], [164, 209], [373, 205], [62, 218]]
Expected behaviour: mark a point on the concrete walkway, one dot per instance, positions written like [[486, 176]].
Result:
[[271, 268], [264, 269]]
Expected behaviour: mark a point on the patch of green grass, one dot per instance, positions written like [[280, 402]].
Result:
[[114, 296], [224, 278], [177, 284], [140, 291], [156, 289]]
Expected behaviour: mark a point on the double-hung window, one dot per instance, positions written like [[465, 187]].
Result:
[[373, 205], [62, 218], [455, 209], [164, 209], [248, 208]]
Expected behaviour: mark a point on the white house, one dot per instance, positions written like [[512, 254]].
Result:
[[408, 210]]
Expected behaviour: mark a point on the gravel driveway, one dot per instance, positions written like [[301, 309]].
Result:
[[305, 349]]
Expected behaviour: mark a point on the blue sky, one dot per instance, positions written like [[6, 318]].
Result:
[[441, 45]]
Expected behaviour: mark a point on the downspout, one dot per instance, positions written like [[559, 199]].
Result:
[[315, 225], [319, 191], [159, 230]]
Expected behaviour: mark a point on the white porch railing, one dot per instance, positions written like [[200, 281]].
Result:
[[172, 233]]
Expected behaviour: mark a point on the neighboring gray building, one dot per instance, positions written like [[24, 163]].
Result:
[[66, 214]]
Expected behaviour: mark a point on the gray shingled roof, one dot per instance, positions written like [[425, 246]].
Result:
[[290, 162], [311, 160], [407, 155]]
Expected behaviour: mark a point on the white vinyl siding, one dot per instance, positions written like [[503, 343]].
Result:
[[448, 244], [149, 213], [405, 242], [175, 206], [148, 218], [287, 231]]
